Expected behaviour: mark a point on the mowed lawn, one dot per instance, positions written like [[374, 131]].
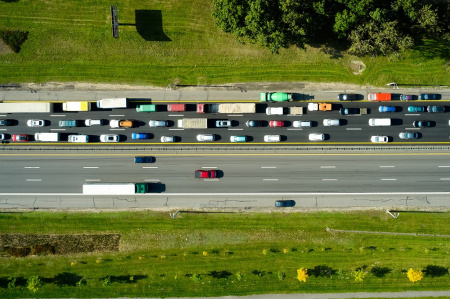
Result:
[[72, 41], [232, 254]]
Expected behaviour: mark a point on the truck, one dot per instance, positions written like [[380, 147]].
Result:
[[275, 97], [25, 107], [76, 106], [274, 111], [353, 111], [379, 96], [193, 123], [146, 108], [112, 103], [115, 188], [227, 108], [46, 137], [320, 107], [176, 107], [296, 110]]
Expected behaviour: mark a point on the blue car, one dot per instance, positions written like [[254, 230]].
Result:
[[144, 159], [137, 136], [416, 109], [430, 96], [387, 109], [284, 203]]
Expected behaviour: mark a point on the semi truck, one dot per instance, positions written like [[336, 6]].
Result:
[[379, 97], [53, 137], [353, 111], [320, 107], [176, 107], [112, 103], [275, 97], [227, 108], [296, 110], [193, 123], [76, 106], [115, 188], [25, 107]]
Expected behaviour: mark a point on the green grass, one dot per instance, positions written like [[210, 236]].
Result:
[[234, 243], [71, 41]]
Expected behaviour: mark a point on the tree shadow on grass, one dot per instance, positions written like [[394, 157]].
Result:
[[65, 279], [435, 271], [127, 278], [220, 274], [150, 26], [321, 271], [380, 271]]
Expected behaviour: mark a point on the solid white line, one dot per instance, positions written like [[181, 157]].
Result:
[[3, 115], [385, 166], [34, 180], [209, 167], [329, 179], [32, 167], [2, 129], [268, 167], [270, 179], [149, 166], [353, 129], [91, 167], [116, 115], [295, 129], [445, 179], [414, 114], [93, 180], [116, 129], [412, 128], [235, 114], [152, 180], [388, 179], [176, 129], [243, 194], [176, 114], [444, 166], [235, 129], [55, 115], [57, 129], [327, 166]]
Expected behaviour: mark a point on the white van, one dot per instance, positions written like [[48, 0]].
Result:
[[272, 138], [46, 136], [379, 122], [93, 122], [274, 111]]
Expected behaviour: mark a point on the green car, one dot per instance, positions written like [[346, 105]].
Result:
[[275, 97]]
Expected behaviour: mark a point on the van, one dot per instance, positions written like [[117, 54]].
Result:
[[274, 111], [379, 122], [46, 136], [146, 108], [68, 123], [114, 123], [93, 122]]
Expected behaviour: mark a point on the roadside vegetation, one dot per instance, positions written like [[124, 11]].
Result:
[[183, 46], [228, 254]]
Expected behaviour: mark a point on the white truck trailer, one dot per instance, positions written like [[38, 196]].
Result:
[[25, 107], [112, 103], [193, 123], [115, 188], [52, 137], [76, 106]]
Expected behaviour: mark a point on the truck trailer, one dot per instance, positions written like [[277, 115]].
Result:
[[193, 123], [176, 107], [112, 103], [25, 107], [296, 110], [320, 107], [76, 106], [379, 96], [115, 188], [227, 108], [52, 137]]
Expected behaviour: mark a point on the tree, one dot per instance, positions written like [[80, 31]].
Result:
[[302, 274], [414, 275]]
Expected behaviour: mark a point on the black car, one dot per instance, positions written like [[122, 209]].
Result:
[[347, 97], [284, 203], [430, 96], [254, 123], [421, 123], [144, 159]]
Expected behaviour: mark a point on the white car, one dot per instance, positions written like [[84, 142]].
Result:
[[316, 137], [167, 138], [35, 123], [327, 122], [223, 123], [379, 139], [78, 138], [109, 138], [301, 124], [206, 137], [272, 138], [93, 122], [2, 136], [158, 123]]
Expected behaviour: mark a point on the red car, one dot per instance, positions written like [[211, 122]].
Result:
[[20, 137], [276, 123], [205, 174]]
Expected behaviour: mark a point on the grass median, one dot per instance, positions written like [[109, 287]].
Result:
[[230, 254], [72, 41]]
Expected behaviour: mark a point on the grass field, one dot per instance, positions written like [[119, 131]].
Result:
[[159, 256], [72, 41]]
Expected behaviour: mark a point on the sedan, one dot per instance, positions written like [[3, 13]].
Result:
[[137, 136], [109, 138], [302, 124], [169, 139], [406, 135], [430, 96], [205, 174], [206, 137], [406, 97], [223, 123], [254, 123], [379, 139], [35, 123], [276, 123], [284, 203], [78, 138], [144, 159], [238, 138], [434, 109], [387, 109], [347, 97], [20, 137], [316, 137], [416, 109], [272, 138], [331, 122], [421, 123]]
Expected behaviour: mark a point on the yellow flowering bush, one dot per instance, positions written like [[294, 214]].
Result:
[[302, 274], [414, 275]]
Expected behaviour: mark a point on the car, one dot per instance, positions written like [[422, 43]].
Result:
[[302, 124], [408, 135], [223, 123], [158, 123], [137, 136], [205, 174], [434, 109], [430, 96], [146, 159], [109, 138], [316, 137], [406, 97], [421, 123], [20, 137], [35, 123], [387, 109], [115, 123], [327, 122], [5, 122], [272, 138], [416, 108], [238, 138], [2, 136], [78, 138], [276, 123], [379, 139], [206, 137], [167, 138], [284, 203], [347, 97], [254, 123], [93, 122]]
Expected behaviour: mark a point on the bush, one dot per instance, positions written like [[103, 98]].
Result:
[[14, 38]]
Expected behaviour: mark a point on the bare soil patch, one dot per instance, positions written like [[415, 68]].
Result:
[[357, 66], [4, 48]]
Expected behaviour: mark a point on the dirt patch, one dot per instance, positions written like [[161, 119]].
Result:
[[19, 245], [357, 67], [4, 48]]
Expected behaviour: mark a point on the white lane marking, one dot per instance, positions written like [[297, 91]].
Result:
[[34, 180], [268, 167], [270, 179], [176, 114], [32, 167], [149, 166], [116, 129], [57, 129], [295, 129], [92, 180], [3, 115], [445, 179], [235, 129], [327, 166], [235, 114], [444, 166], [414, 114], [176, 129], [388, 179], [88, 167], [152, 180], [353, 129], [116, 115], [57, 115], [412, 128], [386, 166], [209, 167], [211, 180], [2, 129], [329, 179]]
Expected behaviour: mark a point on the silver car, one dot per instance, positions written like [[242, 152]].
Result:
[[379, 139], [327, 122], [35, 123], [407, 135], [272, 138], [316, 137], [206, 137], [167, 138], [301, 124], [157, 123], [109, 138]]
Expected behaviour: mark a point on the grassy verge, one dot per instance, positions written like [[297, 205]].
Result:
[[66, 46], [160, 256]]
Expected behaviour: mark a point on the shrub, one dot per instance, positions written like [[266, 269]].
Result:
[[359, 275], [106, 281], [281, 275], [196, 277], [34, 283], [414, 275], [14, 38], [82, 282], [302, 274]]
